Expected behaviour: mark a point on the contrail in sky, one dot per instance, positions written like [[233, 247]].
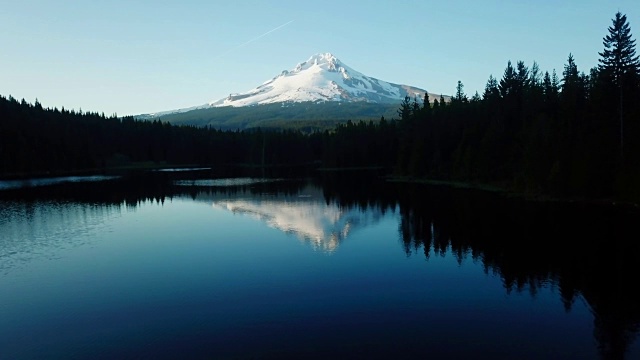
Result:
[[252, 40]]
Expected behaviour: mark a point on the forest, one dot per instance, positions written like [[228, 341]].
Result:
[[574, 134], [305, 116]]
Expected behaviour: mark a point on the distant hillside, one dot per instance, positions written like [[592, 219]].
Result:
[[306, 116]]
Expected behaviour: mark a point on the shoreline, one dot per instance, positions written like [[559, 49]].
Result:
[[514, 194]]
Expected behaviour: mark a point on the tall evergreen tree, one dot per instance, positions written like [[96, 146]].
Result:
[[619, 58], [620, 63], [507, 82], [425, 102], [546, 83], [406, 108], [460, 96], [491, 90], [570, 76], [415, 106], [426, 107], [535, 76], [522, 76], [555, 82]]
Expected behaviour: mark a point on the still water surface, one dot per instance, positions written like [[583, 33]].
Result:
[[237, 268]]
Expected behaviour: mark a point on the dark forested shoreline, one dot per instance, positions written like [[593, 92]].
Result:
[[573, 134]]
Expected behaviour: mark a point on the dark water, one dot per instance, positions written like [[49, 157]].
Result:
[[169, 266]]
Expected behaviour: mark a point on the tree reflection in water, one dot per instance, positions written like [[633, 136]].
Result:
[[587, 251]]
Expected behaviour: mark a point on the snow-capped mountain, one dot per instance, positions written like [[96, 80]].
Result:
[[305, 215], [322, 78]]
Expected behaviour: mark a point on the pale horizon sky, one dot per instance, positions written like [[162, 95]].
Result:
[[136, 56]]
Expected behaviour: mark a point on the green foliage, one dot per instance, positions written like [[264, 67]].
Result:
[[288, 115]]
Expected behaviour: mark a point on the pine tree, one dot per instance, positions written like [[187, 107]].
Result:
[[619, 59], [546, 83], [436, 105], [460, 96], [522, 76], [425, 102], [534, 99], [507, 82], [620, 63], [555, 82], [535, 77], [415, 106], [405, 109], [426, 107], [572, 92], [491, 90], [570, 76]]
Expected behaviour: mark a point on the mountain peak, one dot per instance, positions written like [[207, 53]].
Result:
[[322, 78], [319, 57], [323, 58], [325, 61]]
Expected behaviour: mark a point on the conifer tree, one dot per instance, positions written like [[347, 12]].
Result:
[[491, 90], [535, 77], [425, 102], [570, 74], [522, 76], [426, 107], [507, 82], [415, 106], [555, 82], [619, 59], [546, 83], [620, 64], [405, 109], [460, 96]]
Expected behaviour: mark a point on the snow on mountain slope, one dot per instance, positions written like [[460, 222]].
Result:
[[322, 78]]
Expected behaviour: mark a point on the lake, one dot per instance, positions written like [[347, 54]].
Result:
[[187, 265]]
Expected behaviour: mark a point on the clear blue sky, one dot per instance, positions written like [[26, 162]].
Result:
[[138, 56]]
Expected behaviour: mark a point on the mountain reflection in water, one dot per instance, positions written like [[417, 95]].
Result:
[[587, 254], [306, 215]]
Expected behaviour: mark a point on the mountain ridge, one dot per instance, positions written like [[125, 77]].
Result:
[[317, 93], [321, 78]]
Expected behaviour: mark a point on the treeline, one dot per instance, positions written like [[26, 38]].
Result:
[[570, 134], [586, 253], [304, 116], [35, 140], [530, 131]]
